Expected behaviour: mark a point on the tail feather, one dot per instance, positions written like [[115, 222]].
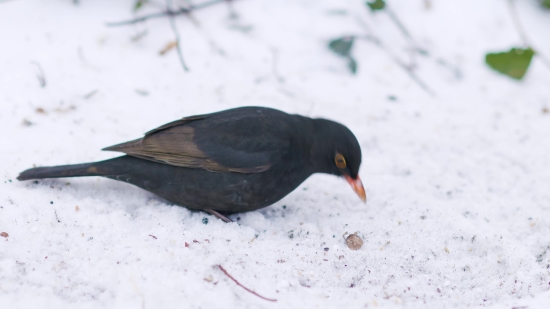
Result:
[[76, 170]]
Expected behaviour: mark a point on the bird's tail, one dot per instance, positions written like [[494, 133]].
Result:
[[76, 170]]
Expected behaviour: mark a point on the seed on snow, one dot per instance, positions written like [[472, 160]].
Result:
[[354, 242]]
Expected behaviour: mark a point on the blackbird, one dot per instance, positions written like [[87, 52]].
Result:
[[231, 161]]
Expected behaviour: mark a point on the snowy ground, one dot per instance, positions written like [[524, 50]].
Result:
[[458, 209]]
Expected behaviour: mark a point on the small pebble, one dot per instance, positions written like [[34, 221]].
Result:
[[4, 234], [354, 242]]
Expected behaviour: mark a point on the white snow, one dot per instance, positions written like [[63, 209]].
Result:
[[457, 183]]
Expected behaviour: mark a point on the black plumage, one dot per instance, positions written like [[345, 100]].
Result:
[[231, 161]]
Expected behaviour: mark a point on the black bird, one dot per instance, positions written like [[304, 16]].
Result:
[[231, 161]]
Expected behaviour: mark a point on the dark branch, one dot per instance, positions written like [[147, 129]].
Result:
[[400, 25], [169, 12], [177, 34], [218, 215], [517, 23], [41, 77], [376, 41], [242, 286], [417, 48], [90, 94]]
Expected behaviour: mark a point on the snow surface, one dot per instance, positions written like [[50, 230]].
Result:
[[457, 183]]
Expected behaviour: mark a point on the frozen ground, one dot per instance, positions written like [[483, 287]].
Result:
[[458, 183]]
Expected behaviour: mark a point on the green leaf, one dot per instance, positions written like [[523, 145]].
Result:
[[139, 4], [378, 5], [342, 46], [352, 65], [546, 3], [513, 63]]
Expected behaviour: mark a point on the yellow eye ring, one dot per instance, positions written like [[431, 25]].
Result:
[[340, 161]]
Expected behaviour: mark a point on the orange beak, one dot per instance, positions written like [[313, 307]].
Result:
[[357, 186]]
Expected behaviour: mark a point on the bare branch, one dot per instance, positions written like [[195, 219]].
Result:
[[416, 47], [413, 76], [275, 62], [176, 33], [517, 23], [169, 12], [139, 36], [376, 41], [90, 94], [40, 76], [242, 286], [400, 26], [218, 215]]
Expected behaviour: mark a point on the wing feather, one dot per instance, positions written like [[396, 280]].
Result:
[[217, 144]]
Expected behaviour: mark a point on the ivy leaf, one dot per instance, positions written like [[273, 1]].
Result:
[[352, 65], [139, 4], [513, 63], [378, 5], [546, 3], [342, 46]]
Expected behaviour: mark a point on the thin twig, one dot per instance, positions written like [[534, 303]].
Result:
[[517, 23], [176, 33], [242, 286], [404, 31], [218, 215], [139, 36], [523, 34], [371, 38], [416, 47], [40, 76], [90, 94], [84, 61], [168, 12], [56, 216], [413, 76], [400, 26], [275, 62]]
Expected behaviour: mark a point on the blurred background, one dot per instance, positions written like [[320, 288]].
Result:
[[450, 101]]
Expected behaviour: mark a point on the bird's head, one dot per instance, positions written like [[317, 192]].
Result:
[[336, 151]]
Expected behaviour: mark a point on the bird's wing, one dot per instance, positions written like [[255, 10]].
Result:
[[242, 141]]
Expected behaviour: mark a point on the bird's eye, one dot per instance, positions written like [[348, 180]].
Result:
[[340, 161]]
